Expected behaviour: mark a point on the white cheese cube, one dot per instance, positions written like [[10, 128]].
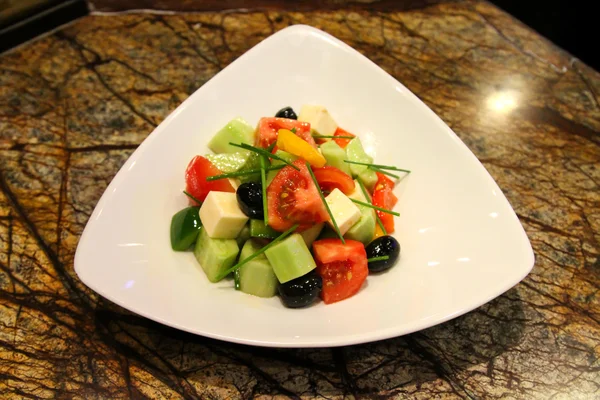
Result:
[[234, 182], [358, 193], [319, 118], [221, 216], [344, 211]]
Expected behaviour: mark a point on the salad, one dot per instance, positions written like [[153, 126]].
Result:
[[295, 207]]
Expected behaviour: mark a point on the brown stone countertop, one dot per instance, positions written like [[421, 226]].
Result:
[[76, 103]]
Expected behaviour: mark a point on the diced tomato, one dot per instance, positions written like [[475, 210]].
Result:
[[383, 182], [269, 126], [385, 198], [293, 198], [342, 142], [343, 268], [330, 178], [196, 184]]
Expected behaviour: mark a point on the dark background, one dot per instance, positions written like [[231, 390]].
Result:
[[568, 24]]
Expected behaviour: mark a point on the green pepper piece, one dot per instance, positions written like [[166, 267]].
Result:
[[185, 227]]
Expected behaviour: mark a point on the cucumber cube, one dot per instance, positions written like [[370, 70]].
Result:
[[364, 230], [311, 234], [237, 162], [369, 178], [290, 258], [236, 131], [356, 152], [358, 194], [243, 235], [335, 156], [256, 276], [215, 255]]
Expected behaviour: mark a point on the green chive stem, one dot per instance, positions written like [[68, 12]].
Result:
[[263, 152], [335, 225], [384, 172], [380, 258], [332, 137], [242, 173], [385, 210], [364, 190], [236, 279], [192, 197], [378, 166], [263, 181], [258, 253]]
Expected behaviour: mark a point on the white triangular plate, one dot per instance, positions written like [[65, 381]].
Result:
[[462, 244]]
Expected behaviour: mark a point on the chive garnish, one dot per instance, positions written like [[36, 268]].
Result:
[[263, 152], [271, 147], [236, 279], [364, 190], [378, 166], [380, 258], [242, 173], [337, 230], [293, 130], [385, 172], [332, 137], [263, 181], [258, 253], [385, 210], [192, 197]]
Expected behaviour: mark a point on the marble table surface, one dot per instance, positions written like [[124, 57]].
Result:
[[77, 102]]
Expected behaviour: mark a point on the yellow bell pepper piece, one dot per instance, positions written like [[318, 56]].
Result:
[[288, 141], [378, 231]]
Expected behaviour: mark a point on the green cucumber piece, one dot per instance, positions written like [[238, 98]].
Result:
[[236, 131], [237, 162], [243, 236], [185, 226], [256, 276], [286, 156], [358, 194], [215, 255], [335, 156], [356, 152], [290, 258], [327, 233], [258, 229], [369, 178], [364, 229], [311, 234]]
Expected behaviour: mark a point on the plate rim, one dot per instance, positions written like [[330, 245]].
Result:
[[337, 341]]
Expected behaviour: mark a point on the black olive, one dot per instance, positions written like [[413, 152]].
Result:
[[383, 246], [301, 292], [286, 112], [249, 197]]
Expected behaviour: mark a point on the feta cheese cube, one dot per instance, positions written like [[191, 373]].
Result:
[[221, 216], [344, 211], [234, 183], [358, 193], [319, 118]]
